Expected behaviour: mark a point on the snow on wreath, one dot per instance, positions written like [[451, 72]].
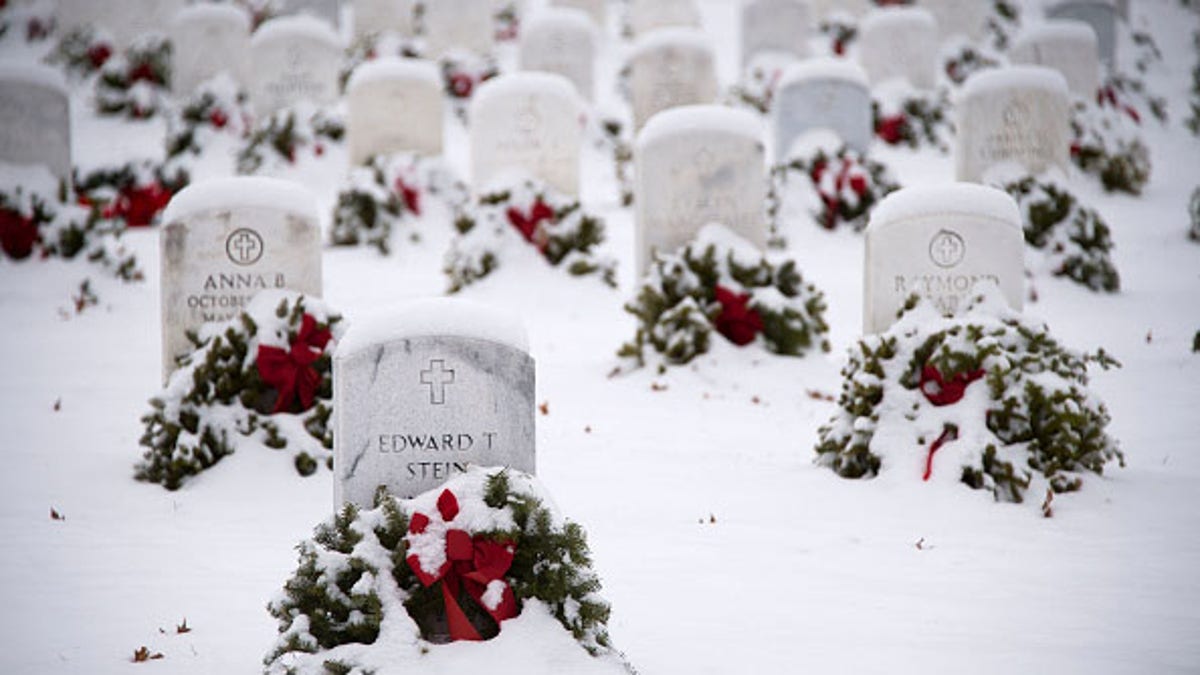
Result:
[[259, 380], [482, 558], [988, 398]]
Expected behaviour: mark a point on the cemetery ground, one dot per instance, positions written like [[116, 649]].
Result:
[[722, 547]]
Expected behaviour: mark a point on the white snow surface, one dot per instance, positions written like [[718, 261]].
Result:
[[436, 317], [559, 18], [394, 68], [212, 12], [294, 26], [822, 68], [896, 18], [722, 547], [35, 74], [524, 83], [702, 119], [1014, 77], [677, 37], [1058, 30], [241, 192], [980, 201]]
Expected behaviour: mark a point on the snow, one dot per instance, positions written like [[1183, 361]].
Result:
[[527, 83], [678, 38], [1014, 77], [35, 74], [432, 317], [954, 198], [560, 19], [295, 26], [822, 68], [1058, 30], [241, 192], [705, 119], [211, 12], [896, 18], [394, 68]]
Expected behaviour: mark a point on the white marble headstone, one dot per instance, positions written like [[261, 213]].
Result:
[[822, 93], [961, 18], [125, 20], [1070, 47], [899, 43], [295, 58], [671, 67], [774, 26], [697, 165], [395, 105], [561, 41], [824, 9], [222, 241], [372, 17], [1101, 15], [459, 24], [530, 122], [425, 391], [647, 15], [939, 242], [595, 9], [1017, 115], [35, 118], [329, 11], [206, 40]]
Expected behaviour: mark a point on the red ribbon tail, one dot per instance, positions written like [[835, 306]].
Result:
[[949, 433], [460, 625]]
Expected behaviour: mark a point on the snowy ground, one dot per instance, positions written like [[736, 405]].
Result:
[[723, 548]]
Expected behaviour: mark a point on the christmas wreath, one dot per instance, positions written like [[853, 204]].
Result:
[[836, 184], [508, 21], [616, 137], [522, 214], [133, 194], [374, 46], [840, 32], [136, 83], [988, 398], [216, 109], [287, 137], [721, 281], [1108, 145], [462, 73], [260, 379], [82, 51], [903, 115], [963, 59], [390, 193], [1004, 22], [33, 23], [757, 87], [380, 588]]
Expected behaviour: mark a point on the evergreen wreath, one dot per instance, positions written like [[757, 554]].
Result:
[[507, 19], [82, 51], [1004, 22], [838, 185], [453, 563], [1107, 144], [134, 193], [616, 135], [841, 34], [963, 59], [33, 23], [721, 281], [907, 116], [262, 377], [390, 193], [277, 141], [136, 84], [759, 80], [1129, 95], [462, 73], [908, 393], [521, 213], [374, 46], [216, 108]]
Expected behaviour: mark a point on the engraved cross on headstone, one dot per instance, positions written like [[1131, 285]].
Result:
[[245, 245], [437, 376]]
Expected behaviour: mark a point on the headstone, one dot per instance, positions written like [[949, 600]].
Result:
[[35, 118], [1070, 47], [1018, 115], [822, 93], [295, 58], [372, 17], [458, 24], [825, 9], [648, 15], [425, 391], [561, 41], [527, 121], [671, 67], [899, 42], [939, 242], [206, 40], [395, 105], [959, 18], [222, 241], [774, 26], [125, 20], [1101, 15], [595, 9], [329, 11], [697, 165]]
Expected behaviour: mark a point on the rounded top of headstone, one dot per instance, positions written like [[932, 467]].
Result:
[[1060, 30], [675, 36], [239, 192], [394, 68], [208, 11], [563, 18], [889, 18], [690, 119], [435, 317], [1015, 77], [526, 83], [966, 199], [296, 25], [1052, 6], [35, 74], [823, 68]]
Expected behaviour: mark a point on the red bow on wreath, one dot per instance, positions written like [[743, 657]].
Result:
[[18, 234], [737, 321], [290, 371], [892, 129], [529, 226], [1108, 94], [833, 199], [941, 391], [474, 565], [138, 206], [461, 85], [411, 196]]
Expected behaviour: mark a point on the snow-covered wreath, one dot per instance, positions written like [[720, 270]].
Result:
[[903, 115], [289, 136], [484, 557], [135, 83], [988, 398], [133, 194], [217, 110], [722, 282], [760, 77], [259, 380], [517, 215], [82, 52], [1107, 142]]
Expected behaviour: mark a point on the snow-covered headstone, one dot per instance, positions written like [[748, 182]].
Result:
[[125, 20], [671, 67], [226, 239], [961, 18], [425, 391], [35, 118], [458, 24], [372, 17], [779, 26], [1101, 15], [595, 8], [395, 105], [530, 122], [852, 9], [1015, 115], [939, 242], [295, 58], [208, 39], [1070, 47], [822, 93], [561, 41], [697, 165], [899, 43], [648, 15], [329, 11]]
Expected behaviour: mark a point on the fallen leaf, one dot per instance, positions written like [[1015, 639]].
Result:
[[183, 627], [58, 404], [1047, 508], [544, 408], [143, 654], [55, 515]]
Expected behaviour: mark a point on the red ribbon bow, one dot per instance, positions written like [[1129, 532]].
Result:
[[461, 85], [941, 391], [473, 564], [833, 199], [18, 234], [138, 206], [290, 371], [529, 226], [892, 128], [411, 196], [738, 322]]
